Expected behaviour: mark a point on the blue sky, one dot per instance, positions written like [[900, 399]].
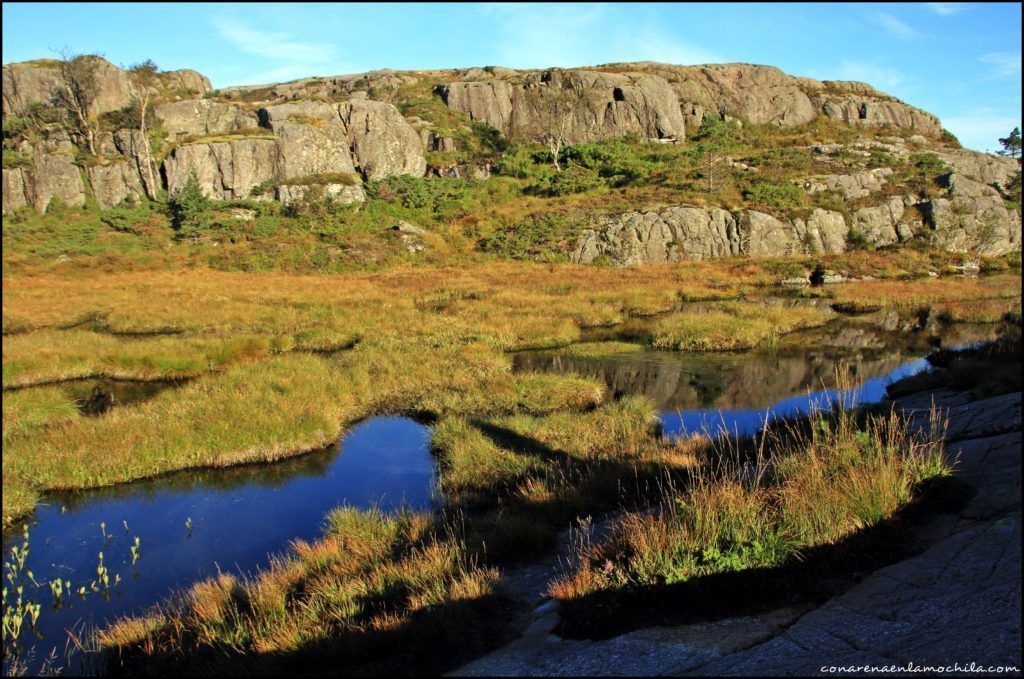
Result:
[[960, 61]]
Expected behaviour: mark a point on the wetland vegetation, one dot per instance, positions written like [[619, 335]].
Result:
[[525, 437], [333, 431]]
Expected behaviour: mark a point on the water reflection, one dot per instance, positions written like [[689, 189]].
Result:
[[696, 391]]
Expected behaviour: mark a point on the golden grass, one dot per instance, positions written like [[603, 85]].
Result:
[[802, 489], [736, 326], [402, 583]]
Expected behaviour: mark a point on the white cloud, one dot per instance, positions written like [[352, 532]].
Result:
[[287, 57], [981, 129], [650, 43], [881, 77], [895, 26], [1005, 64], [946, 8], [537, 35], [279, 46]]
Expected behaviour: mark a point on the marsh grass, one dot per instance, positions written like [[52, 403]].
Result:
[[803, 486], [602, 349], [421, 340], [377, 594], [733, 326]]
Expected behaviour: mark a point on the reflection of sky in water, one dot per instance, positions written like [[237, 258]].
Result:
[[744, 422], [384, 462]]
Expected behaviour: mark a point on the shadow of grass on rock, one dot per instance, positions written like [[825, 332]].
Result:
[[521, 479]]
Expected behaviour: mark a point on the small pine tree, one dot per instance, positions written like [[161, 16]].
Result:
[[715, 139], [189, 208], [1011, 144]]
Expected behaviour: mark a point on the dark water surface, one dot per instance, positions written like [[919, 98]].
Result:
[[238, 517]]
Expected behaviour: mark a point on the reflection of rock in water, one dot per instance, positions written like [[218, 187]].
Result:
[[804, 361], [688, 381], [99, 401]]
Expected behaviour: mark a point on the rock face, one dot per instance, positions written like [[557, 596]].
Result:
[[984, 167], [52, 176], [858, 185], [761, 94], [40, 81], [766, 95], [973, 218], [200, 117], [578, 105], [885, 224], [383, 142], [861, 105], [115, 182], [226, 170], [326, 136], [690, 233]]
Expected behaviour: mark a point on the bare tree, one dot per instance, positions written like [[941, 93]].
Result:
[[556, 109], [143, 80], [76, 94]]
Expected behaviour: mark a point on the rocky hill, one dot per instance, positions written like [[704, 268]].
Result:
[[881, 171]]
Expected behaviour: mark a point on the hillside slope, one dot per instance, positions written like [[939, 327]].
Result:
[[639, 162]]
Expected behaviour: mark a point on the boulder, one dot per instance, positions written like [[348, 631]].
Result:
[[341, 193]]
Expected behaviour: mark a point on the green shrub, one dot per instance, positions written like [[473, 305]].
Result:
[[519, 162], [778, 196], [573, 179], [545, 236], [189, 208], [127, 216], [442, 196]]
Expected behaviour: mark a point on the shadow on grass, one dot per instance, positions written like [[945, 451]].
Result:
[[427, 642], [811, 577]]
